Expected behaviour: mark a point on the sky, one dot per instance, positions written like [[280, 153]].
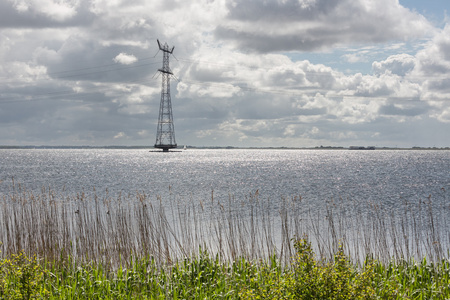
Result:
[[247, 73]]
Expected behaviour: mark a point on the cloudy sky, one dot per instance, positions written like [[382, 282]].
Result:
[[296, 73]]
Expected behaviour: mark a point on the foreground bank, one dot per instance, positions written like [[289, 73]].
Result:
[[59, 246], [206, 277]]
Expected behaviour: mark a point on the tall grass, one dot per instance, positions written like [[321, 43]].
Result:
[[206, 277], [111, 230]]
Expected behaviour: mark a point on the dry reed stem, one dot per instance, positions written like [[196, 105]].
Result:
[[113, 230]]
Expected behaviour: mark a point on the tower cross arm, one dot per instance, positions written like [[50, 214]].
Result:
[[165, 47], [165, 71]]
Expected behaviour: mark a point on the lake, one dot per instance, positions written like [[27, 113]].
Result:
[[316, 175], [406, 193]]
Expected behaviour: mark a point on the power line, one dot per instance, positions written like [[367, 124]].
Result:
[[222, 65], [57, 95], [313, 91], [100, 72], [91, 73], [94, 67], [285, 91], [242, 87]]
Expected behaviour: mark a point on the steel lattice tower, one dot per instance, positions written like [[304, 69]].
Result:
[[165, 134]]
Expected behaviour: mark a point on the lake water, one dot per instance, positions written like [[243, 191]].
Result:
[[367, 193], [315, 175]]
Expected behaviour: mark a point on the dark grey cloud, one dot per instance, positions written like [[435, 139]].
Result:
[[439, 85], [263, 107], [61, 83], [397, 110], [267, 26], [319, 111], [83, 59], [276, 11], [208, 73], [264, 42], [433, 67], [434, 59], [202, 108], [444, 48]]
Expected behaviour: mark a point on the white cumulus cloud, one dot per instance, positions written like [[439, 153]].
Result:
[[125, 59]]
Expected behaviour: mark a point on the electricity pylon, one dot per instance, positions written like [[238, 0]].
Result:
[[165, 134]]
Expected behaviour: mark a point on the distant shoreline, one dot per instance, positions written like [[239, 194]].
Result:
[[353, 148]]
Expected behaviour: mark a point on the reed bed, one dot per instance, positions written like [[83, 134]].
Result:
[[112, 230]]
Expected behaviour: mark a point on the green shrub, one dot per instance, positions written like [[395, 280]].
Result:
[[206, 277], [21, 277], [269, 281], [330, 280]]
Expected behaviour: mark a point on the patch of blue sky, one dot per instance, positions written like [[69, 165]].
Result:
[[359, 59], [434, 10], [351, 60]]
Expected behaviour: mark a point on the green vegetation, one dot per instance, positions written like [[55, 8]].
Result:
[[54, 246], [205, 277]]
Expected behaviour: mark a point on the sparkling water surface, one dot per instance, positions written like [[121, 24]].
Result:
[[365, 197], [315, 175]]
